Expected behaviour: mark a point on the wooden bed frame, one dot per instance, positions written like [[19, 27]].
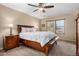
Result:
[[36, 45]]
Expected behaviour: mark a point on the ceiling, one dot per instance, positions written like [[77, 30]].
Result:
[[59, 9]]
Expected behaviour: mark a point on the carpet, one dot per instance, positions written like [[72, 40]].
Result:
[[61, 49]]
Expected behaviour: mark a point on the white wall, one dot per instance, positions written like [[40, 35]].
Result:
[[9, 16]]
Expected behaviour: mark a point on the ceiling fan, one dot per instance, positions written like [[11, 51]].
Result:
[[41, 7]]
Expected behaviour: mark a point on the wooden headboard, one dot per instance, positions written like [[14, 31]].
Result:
[[19, 27]]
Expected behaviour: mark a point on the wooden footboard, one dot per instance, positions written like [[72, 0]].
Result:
[[45, 49]]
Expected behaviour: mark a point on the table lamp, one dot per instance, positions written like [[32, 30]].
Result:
[[11, 26]]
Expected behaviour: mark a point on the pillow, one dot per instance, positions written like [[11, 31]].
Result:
[[24, 29], [28, 29], [34, 29], [31, 29]]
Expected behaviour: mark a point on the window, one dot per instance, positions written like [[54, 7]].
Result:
[[56, 26], [59, 29]]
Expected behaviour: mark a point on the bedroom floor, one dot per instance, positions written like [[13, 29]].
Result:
[[61, 49]]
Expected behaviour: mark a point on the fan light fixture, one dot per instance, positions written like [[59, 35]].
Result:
[[41, 7]]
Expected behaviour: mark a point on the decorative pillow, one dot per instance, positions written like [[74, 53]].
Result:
[[32, 29], [24, 29], [28, 29]]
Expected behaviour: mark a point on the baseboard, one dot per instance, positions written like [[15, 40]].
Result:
[[74, 42]]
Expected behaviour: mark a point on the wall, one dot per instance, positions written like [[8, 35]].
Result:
[[70, 26], [9, 16]]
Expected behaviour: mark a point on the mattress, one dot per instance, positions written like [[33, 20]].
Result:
[[40, 37]]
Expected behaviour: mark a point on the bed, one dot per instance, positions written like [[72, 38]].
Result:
[[42, 41]]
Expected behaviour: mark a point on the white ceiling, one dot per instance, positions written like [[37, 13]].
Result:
[[59, 9]]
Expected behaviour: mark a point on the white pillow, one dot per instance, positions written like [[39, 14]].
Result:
[[24, 29], [31, 29], [34, 29], [28, 29]]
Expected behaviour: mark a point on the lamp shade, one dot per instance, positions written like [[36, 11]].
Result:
[[10, 25]]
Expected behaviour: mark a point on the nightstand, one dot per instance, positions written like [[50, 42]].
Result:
[[10, 42]]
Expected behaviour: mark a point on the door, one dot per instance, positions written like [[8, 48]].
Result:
[[77, 36], [50, 26]]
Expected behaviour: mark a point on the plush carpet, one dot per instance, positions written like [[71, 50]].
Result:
[[61, 49]]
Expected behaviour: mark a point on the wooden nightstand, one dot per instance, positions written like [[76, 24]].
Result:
[[10, 42]]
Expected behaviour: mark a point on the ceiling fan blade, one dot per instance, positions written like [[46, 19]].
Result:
[[40, 4], [32, 5], [35, 10], [49, 6]]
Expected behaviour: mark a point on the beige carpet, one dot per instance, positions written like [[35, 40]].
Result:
[[61, 49]]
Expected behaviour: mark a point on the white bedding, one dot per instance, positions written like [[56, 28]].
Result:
[[41, 37]]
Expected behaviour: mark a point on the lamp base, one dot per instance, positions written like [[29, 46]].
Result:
[[10, 31], [10, 34]]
